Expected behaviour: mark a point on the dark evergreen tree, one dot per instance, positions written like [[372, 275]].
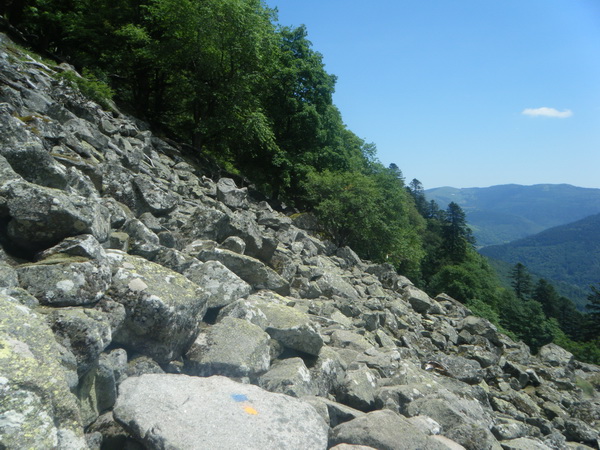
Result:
[[418, 194], [545, 294], [593, 324], [457, 236], [521, 281]]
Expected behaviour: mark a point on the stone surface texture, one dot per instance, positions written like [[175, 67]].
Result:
[[148, 301]]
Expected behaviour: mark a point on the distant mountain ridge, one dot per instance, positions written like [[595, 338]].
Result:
[[568, 253], [504, 213]]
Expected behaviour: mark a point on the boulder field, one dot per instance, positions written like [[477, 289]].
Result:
[[147, 302]]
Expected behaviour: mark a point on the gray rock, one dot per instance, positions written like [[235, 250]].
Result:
[[154, 198], [554, 355], [332, 284], [291, 327], [37, 409], [85, 332], [142, 365], [334, 413], [205, 223], [142, 241], [463, 419], [176, 411], [235, 244], [97, 391], [383, 430], [351, 447], [63, 280], [478, 326], [524, 444], [359, 389], [328, 372], [36, 165], [21, 295], [232, 348], [41, 217], [463, 369], [426, 424], [578, 430], [349, 339], [418, 299], [249, 269], [85, 246], [289, 376], [8, 276], [510, 429], [258, 244], [228, 193], [163, 308], [221, 284]]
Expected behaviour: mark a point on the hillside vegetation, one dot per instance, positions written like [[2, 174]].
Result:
[[501, 214], [569, 253], [237, 88]]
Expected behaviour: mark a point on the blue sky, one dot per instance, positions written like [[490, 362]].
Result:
[[466, 93]]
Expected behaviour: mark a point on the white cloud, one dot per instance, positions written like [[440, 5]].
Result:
[[547, 112]]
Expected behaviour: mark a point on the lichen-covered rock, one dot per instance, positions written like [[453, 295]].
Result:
[[232, 348], [289, 376], [350, 339], [228, 193], [37, 409], [479, 326], [36, 165], [418, 299], [221, 284], [554, 355], [249, 269], [85, 332], [153, 197], [216, 412], [291, 327], [163, 308], [359, 389], [63, 280], [463, 419], [383, 430], [41, 217]]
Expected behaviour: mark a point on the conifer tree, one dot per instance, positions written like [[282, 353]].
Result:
[[521, 281], [593, 327]]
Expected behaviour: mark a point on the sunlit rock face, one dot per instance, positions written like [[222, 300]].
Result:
[[146, 301]]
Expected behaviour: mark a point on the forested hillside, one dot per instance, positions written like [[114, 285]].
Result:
[[233, 86], [501, 214], [569, 253]]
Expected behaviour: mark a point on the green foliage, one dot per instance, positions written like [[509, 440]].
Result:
[[521, 281], [501, 214], [370, 213], [568, 253], [90, 86], [471, 279]]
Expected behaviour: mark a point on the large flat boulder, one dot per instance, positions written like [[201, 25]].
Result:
[[251, 270], [41, 217], [163, 308], [232, 348], [384, 430], [291, 327], [177, 411]]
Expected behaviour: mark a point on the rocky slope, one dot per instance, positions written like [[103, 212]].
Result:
[[143, 305]]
